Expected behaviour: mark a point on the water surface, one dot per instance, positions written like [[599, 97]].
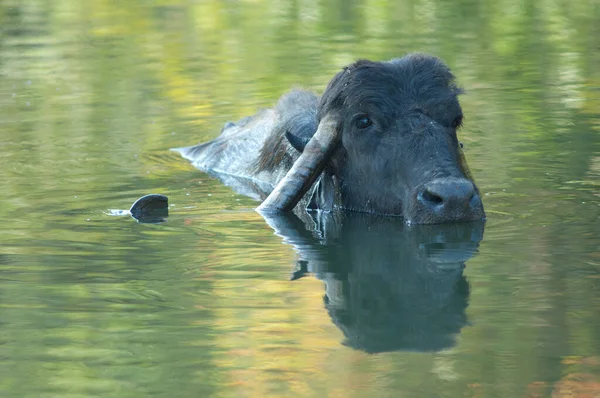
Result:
[[92, 96]]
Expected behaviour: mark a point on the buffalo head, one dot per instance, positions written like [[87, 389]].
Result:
[[386, 143]]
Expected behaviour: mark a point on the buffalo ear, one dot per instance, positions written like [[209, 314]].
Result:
[[297, 142], [300, 128]]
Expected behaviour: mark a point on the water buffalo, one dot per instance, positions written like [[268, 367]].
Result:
[[381, 139]]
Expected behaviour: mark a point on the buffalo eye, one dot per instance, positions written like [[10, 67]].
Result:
[[362, 122], [456, 123]]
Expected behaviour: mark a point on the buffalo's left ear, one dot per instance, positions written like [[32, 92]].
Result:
[[299, 129], [297, 142]]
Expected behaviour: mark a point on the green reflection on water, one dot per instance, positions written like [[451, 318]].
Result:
[[93, 95]]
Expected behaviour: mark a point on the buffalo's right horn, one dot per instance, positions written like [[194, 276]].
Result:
[[306, 169]]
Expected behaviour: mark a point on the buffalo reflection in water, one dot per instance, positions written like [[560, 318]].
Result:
[[388, 286]]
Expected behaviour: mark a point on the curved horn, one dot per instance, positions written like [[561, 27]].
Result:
[[306, 169]]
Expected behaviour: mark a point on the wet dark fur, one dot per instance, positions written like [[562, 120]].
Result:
[[424, 82]]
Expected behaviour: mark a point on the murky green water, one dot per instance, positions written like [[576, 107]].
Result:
[[92, 96]]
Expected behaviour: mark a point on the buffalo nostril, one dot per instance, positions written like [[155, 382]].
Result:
[[431, 197], [474, 200]]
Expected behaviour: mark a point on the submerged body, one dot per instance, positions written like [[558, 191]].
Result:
[[382, 139]]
